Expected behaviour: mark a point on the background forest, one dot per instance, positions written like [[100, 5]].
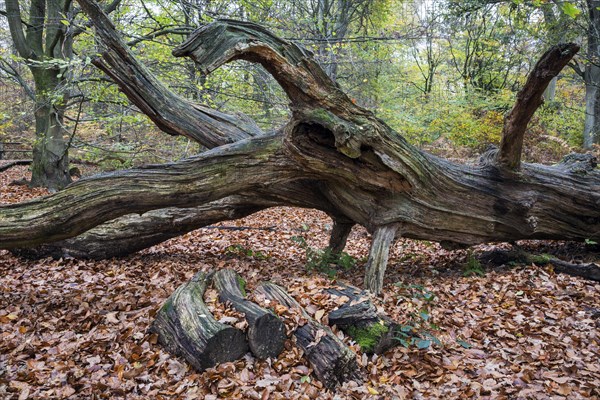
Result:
[[442, 73]]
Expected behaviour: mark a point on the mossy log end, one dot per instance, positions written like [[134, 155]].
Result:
[[358, 318], [186, 328], [266, 332], [332, 361]]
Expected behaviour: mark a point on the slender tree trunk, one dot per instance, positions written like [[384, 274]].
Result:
[[43, 41], [591, 132]]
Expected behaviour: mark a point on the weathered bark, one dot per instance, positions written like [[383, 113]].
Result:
[[367, 172], [529, 99], [383, 237], [358, 318], [332, 361], [589, 271], [89, 202], [186, 328], [134, 232], [266, 332], [171, 113]]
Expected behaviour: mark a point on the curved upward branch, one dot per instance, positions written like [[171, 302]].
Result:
[[292, 66], [528, 101], [171, 113]]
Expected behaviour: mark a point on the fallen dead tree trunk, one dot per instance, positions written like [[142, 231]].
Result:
[[332, 361], [266, 332], [186, 328], [14, 163], [367, 172], [133, 232]]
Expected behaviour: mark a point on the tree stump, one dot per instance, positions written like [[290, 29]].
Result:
[[186, 328], [266, 332], [359, 319], [332, 361]]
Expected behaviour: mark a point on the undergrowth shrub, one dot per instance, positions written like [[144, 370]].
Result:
[[325, 260]]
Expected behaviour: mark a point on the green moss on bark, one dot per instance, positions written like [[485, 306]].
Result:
[[367, 337]]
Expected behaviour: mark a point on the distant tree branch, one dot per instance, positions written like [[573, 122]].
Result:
[[3, 12], [178, 30], [575, 66], [14, 74]]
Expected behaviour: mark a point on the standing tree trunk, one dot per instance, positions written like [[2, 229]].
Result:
[[366, 172], [46, 48], [591, 133]]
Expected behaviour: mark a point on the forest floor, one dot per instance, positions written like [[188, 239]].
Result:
[[78, 329]]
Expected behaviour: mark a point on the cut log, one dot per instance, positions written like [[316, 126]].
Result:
[[186, 328], [332, 361], [266, 332], [589, 271], [358, 318]]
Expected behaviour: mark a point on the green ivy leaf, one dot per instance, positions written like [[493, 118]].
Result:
[[463, 344], [423, 344]]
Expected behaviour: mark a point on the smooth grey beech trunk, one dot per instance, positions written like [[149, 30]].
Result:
[[591, 134], [46, 46]]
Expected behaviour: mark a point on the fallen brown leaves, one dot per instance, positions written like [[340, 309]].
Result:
[[77, 329]]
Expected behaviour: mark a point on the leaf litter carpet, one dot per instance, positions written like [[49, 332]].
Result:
[[73, 329]]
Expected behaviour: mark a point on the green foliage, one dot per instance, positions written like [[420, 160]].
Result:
[[472, 121], [241, 285], [325, 260], [570, 9], [237, 250], [472, 266], [417, 329]]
